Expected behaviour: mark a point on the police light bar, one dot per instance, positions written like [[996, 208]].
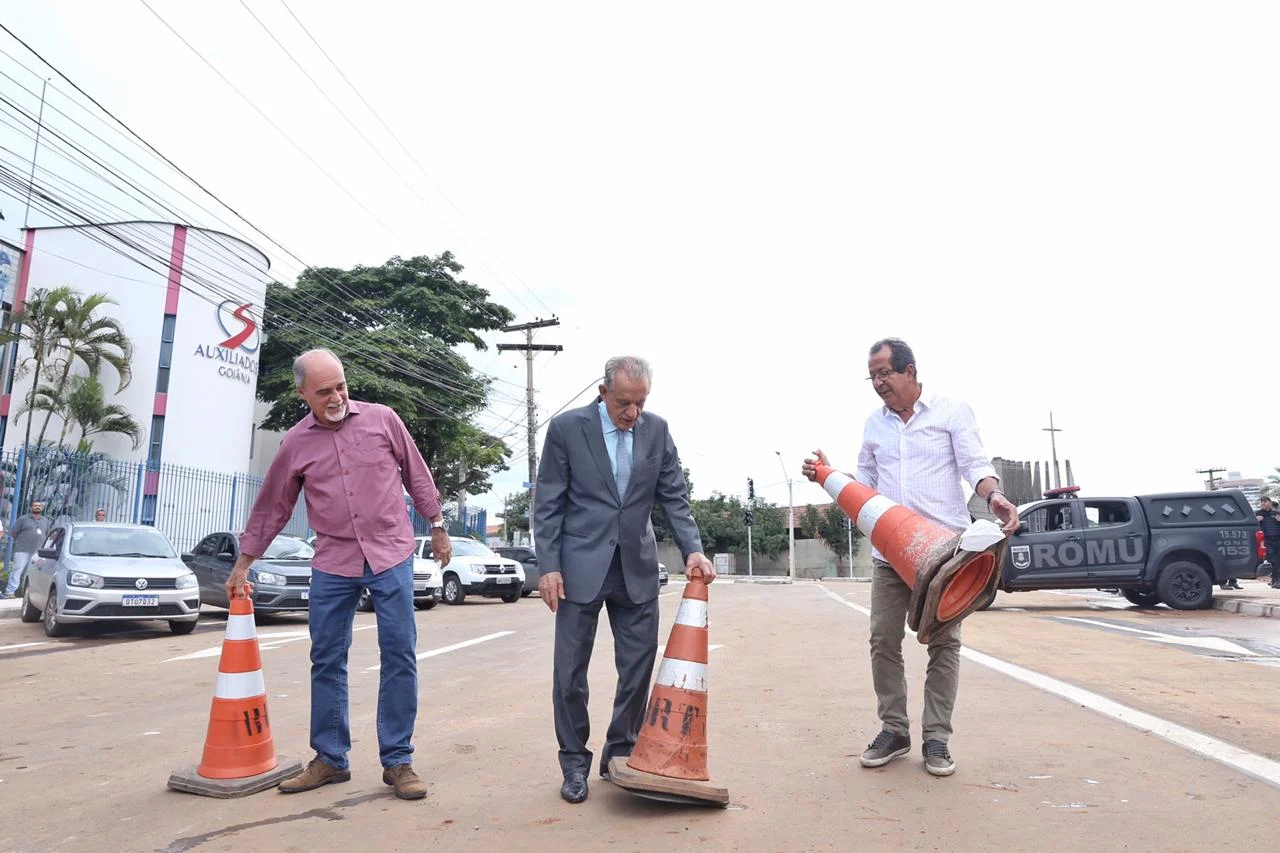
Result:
[[1060, 492]]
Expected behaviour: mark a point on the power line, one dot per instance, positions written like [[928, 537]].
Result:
[[160, 206], [407, 152], [479, 306]]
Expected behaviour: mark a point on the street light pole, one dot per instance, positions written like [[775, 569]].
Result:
[[791, 520]]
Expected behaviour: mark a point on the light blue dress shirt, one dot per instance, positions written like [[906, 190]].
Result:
[[611, 439]]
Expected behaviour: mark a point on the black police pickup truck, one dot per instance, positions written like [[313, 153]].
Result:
[[1153, 548]]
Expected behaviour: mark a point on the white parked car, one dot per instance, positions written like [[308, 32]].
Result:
[[426, 583], [476, 570]]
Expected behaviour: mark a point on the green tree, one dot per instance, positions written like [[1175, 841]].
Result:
[[1271, 488], [828, 525], [515, 514], [85, 337], [769, 533], [87, 408], [721, 522], [661, 526], [37, 327], [396, 335]]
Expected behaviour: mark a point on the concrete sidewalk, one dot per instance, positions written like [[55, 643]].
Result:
[[1256, 599], [10, 608]]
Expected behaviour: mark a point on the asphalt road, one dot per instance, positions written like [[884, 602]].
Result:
[[1082, 724]]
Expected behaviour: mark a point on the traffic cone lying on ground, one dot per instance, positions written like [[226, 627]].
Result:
[[239, 754], [669, 761], [950, 575]]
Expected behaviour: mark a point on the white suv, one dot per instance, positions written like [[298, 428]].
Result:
[[476, 570]]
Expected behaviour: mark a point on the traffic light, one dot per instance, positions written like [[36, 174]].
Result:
[[749, 517], [751, 489]]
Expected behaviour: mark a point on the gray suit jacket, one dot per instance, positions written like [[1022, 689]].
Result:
[[579, 517]]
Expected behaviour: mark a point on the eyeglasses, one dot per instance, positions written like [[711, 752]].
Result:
[[882, 374]]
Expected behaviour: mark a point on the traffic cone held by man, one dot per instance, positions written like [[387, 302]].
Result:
[[950, 575], [239, 753], [669, 761]]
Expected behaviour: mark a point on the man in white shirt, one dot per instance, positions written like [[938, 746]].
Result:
[[915, 450]]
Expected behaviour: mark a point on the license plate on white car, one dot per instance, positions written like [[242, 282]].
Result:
[[140, 601], [419, 586], [306, 594], [505, 580]]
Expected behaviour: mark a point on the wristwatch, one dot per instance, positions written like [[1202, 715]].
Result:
[[437, 525]]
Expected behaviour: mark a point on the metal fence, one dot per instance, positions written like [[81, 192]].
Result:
[[186, 504]]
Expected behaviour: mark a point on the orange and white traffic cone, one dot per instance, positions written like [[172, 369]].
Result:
[[950, 574], [669, 760], [239, 754]]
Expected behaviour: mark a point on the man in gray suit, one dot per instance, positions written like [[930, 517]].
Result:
[[603, 468]]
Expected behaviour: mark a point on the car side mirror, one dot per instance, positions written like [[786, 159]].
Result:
[[188, 556], [48, 553]]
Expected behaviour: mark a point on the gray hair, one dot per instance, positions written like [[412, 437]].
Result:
[[635, 367], [900, 355], [300, 369]]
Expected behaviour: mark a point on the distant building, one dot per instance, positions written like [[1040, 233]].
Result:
[[1252, 487]]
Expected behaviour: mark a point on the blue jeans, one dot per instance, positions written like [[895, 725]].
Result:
[[333, 608], [16, 570]]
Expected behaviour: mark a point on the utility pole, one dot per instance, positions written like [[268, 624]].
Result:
[[463, 471], [848, 526], [529, 348], [1053, 443], [1213, 481], [791, 520], [34, 154], [751, 519]]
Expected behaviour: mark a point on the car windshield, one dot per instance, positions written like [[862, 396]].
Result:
[[288, 548], [470, 548], [120, 542]]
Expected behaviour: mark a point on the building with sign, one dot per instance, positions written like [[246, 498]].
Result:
[[190, 300]]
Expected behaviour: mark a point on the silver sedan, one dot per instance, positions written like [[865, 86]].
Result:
[[92, 572]]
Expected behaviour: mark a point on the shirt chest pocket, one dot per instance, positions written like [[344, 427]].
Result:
[[371, 456]]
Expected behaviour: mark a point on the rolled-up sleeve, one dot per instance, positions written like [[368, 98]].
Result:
[[274, 505], [973, 462], [414, 473]]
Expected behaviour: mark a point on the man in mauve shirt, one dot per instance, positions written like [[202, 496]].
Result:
[[350, 459]]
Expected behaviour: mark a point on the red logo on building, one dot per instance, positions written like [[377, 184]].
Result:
[[247, 337]]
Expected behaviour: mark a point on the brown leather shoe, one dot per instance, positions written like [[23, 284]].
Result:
[[407, 784], [317, 773]]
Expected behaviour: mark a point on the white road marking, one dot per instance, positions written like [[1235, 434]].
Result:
[[1216, 644], [22, 646], [446, 649], [1258, 766], [266, 642]]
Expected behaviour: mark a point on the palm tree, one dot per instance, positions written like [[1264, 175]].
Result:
[[1271, 488], [90, 339], [87, 408], [39, 326]]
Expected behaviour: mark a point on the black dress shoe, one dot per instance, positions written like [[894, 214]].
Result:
[[574, 789]]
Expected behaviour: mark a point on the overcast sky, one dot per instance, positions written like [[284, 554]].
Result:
[[1068, 208]]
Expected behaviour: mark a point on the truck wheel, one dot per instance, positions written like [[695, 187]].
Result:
[[1185, 586], [511, 597], [365, 604], [1141, 599]]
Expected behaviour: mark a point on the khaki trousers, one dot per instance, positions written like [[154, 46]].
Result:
[[890, 597]]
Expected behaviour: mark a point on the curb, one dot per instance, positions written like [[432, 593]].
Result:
[[1247, 608]]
